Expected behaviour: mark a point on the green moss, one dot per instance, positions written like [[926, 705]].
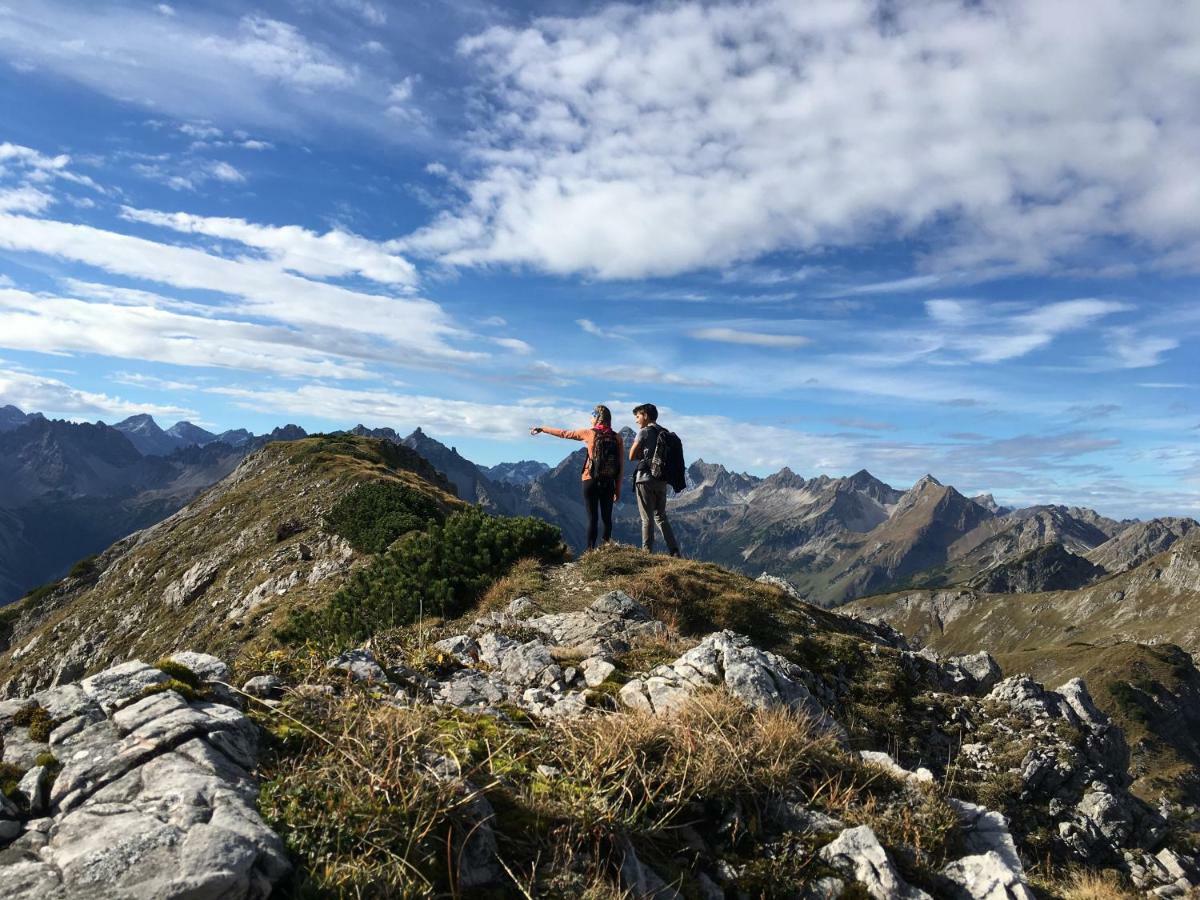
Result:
[[182, 688], [10, 777], [179, 672], [38, 720], [47, 759]]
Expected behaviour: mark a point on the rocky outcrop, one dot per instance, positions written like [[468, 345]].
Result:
[[138, 793], [858, 853], [757, 678], [1048, 568], [1071, 762]]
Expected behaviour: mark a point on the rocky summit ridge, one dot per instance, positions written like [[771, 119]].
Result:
[[624, 722]]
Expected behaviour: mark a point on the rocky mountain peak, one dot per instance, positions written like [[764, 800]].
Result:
[[287, 433], [188, 434], [785, 478], [11, 417]]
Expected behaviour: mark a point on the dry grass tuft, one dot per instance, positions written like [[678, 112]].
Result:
[[526, 578], [1087, 884]]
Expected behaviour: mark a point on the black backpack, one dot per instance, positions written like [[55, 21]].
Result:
[[606, 456], [666, 463]]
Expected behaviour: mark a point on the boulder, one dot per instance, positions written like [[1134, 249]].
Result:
[[359, 665], [35, 786], [858, 854], [986, 876], [265, 687]]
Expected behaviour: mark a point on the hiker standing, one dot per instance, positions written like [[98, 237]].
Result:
[[651, 491], [601, 471]]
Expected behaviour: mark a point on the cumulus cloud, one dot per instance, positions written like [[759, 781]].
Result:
[[333, 254], [649, 140]]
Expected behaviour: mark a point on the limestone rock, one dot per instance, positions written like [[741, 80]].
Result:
[[986, 876], [113, 687], [264, 686], [858, 853], [154, 800], [35, 785], [359, 664], [983, 671], [757, 678], [203, 665]]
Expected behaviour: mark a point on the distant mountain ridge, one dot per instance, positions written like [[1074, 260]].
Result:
[[71, 489], [834, 539]]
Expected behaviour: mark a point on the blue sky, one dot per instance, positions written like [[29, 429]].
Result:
[[928, 237]]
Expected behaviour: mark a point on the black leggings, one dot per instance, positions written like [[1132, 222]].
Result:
[[598, 496]]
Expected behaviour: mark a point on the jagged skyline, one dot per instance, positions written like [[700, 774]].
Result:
[[908, 238]]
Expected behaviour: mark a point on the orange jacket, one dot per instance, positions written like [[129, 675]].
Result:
[[588, 436]]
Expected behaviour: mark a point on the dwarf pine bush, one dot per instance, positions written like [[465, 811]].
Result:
[[375, 513], [441, 571]]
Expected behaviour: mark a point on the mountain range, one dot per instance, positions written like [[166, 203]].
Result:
[[68, 490], [74, 488]]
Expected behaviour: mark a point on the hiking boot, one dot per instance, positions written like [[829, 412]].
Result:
[[676, 554]]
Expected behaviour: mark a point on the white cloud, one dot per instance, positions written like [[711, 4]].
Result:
[[165, 9], [1138, 351], [516, 345], [409, 330], [56, 398], [368, 12], [24, 199], [750, 338], [985, 333], [278, 51], [156, 333], [204, 65], [333, 254], [26, 176], [595, 330], [649, 140], [223, 171], [201, 131]]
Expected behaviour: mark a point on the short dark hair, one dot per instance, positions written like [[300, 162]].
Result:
[[649, 409], [603, 413]]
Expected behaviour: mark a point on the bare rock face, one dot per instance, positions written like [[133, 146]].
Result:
[[858, 853], [154, 798], [1048, 568]]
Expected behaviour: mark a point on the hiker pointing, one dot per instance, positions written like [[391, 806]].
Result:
[[601, 471], [659, 456]]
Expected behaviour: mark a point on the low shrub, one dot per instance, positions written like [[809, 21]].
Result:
[[85, 568], [373, 514], [442, 571]]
